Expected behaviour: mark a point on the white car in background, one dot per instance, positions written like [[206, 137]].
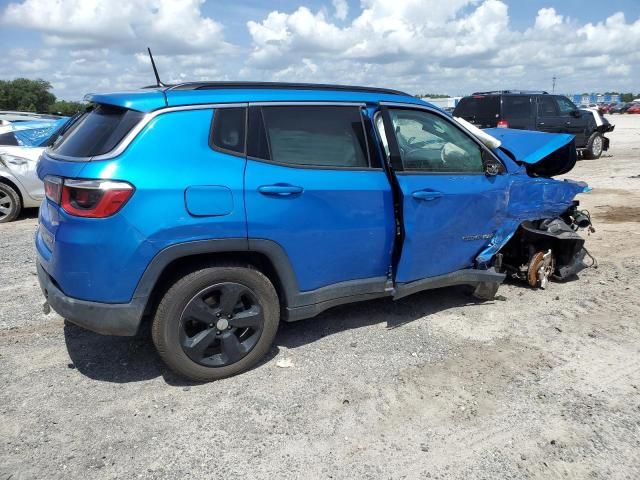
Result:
[[20, 147]]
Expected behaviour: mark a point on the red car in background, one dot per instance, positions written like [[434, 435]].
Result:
[[634, 108]]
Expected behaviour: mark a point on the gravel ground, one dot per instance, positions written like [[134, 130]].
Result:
[[536, 384]]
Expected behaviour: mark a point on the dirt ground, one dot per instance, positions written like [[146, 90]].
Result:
[[536, 384]]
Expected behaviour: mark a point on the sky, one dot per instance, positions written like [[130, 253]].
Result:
[[450, 47]]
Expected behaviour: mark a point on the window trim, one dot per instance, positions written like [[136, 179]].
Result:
[[226, 151], [445, 117], [358, 105]]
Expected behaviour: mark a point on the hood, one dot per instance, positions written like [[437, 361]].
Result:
[[542, 154]]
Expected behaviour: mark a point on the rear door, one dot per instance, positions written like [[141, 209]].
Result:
[[450, 207], [312, 187], [548, 119]]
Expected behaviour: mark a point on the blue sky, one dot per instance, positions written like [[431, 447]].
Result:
[[420, 46]]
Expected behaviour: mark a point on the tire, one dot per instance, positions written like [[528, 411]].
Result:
[[199, 339], [10, 203], [595, 146]]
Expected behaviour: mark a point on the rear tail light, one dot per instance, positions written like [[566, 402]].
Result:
[[503, 124], [88, 198]]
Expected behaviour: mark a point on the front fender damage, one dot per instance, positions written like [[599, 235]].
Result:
[[539, 238]]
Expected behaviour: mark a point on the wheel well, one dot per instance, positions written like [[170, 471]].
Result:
[[6, 181], [182, 266]]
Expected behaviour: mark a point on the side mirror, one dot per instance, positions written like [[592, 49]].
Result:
[[492, 167], [576, 113]]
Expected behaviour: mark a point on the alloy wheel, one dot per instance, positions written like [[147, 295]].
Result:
[[221, 324], [6, 205], [596, 146]]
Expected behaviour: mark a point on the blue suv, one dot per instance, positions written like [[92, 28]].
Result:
[[218, 209]]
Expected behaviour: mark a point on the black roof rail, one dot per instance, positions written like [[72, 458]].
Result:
[[499, 92], [279, 86]]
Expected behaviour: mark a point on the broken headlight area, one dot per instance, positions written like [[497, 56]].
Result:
[[547, 249]]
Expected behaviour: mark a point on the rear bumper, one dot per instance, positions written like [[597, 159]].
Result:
[[121, 319]]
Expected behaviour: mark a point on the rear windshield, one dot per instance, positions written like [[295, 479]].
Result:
[[478, 108], [97, 131]]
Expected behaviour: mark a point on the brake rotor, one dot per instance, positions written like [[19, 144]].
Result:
[[540, 269]]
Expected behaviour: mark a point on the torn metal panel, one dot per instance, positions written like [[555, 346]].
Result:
[[542, 154], [531, 199]]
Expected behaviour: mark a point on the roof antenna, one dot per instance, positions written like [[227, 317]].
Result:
[[155, 70]]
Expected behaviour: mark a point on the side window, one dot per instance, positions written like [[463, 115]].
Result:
[[547, 107], [228, 130], [516, 106], [566, 106], [430, 143], [322, 136]]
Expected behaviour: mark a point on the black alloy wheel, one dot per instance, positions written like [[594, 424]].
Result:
[[216, 322], [221, 324]]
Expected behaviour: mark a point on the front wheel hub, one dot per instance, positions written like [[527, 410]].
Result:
[[540, 269]]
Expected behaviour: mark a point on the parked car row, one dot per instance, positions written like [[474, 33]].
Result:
[[618, 107], [21, 143]]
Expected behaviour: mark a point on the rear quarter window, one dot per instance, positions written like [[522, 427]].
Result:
[[97, 132]]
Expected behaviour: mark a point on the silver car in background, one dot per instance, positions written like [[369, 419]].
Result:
[[21, 144]]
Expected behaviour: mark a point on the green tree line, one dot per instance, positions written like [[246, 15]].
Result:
[[25, 95]]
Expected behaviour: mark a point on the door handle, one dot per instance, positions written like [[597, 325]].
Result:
[[426, 195], [541, 123], [281, 190], [567, 123]]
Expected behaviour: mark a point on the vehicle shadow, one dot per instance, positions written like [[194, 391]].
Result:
[[28, 213], [134, 359], [394, 314]]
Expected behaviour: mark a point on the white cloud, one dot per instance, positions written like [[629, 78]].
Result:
[[547, 18], [341, 8], [452, 47], [173, 26]]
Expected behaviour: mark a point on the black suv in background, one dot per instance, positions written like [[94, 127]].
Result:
[[537, 111]]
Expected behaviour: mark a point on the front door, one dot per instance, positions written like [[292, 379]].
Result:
[[574, 121], [450, 207]]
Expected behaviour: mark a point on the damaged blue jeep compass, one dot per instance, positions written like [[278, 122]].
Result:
[[219, 209]]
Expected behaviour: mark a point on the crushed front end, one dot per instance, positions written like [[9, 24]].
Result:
[[539, 239]]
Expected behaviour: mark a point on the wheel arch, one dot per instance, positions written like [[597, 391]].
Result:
[[14, 185], [177, 260]]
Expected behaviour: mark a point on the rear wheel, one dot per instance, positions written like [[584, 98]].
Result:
[[216, 322], [595, 146], [10, 203]]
